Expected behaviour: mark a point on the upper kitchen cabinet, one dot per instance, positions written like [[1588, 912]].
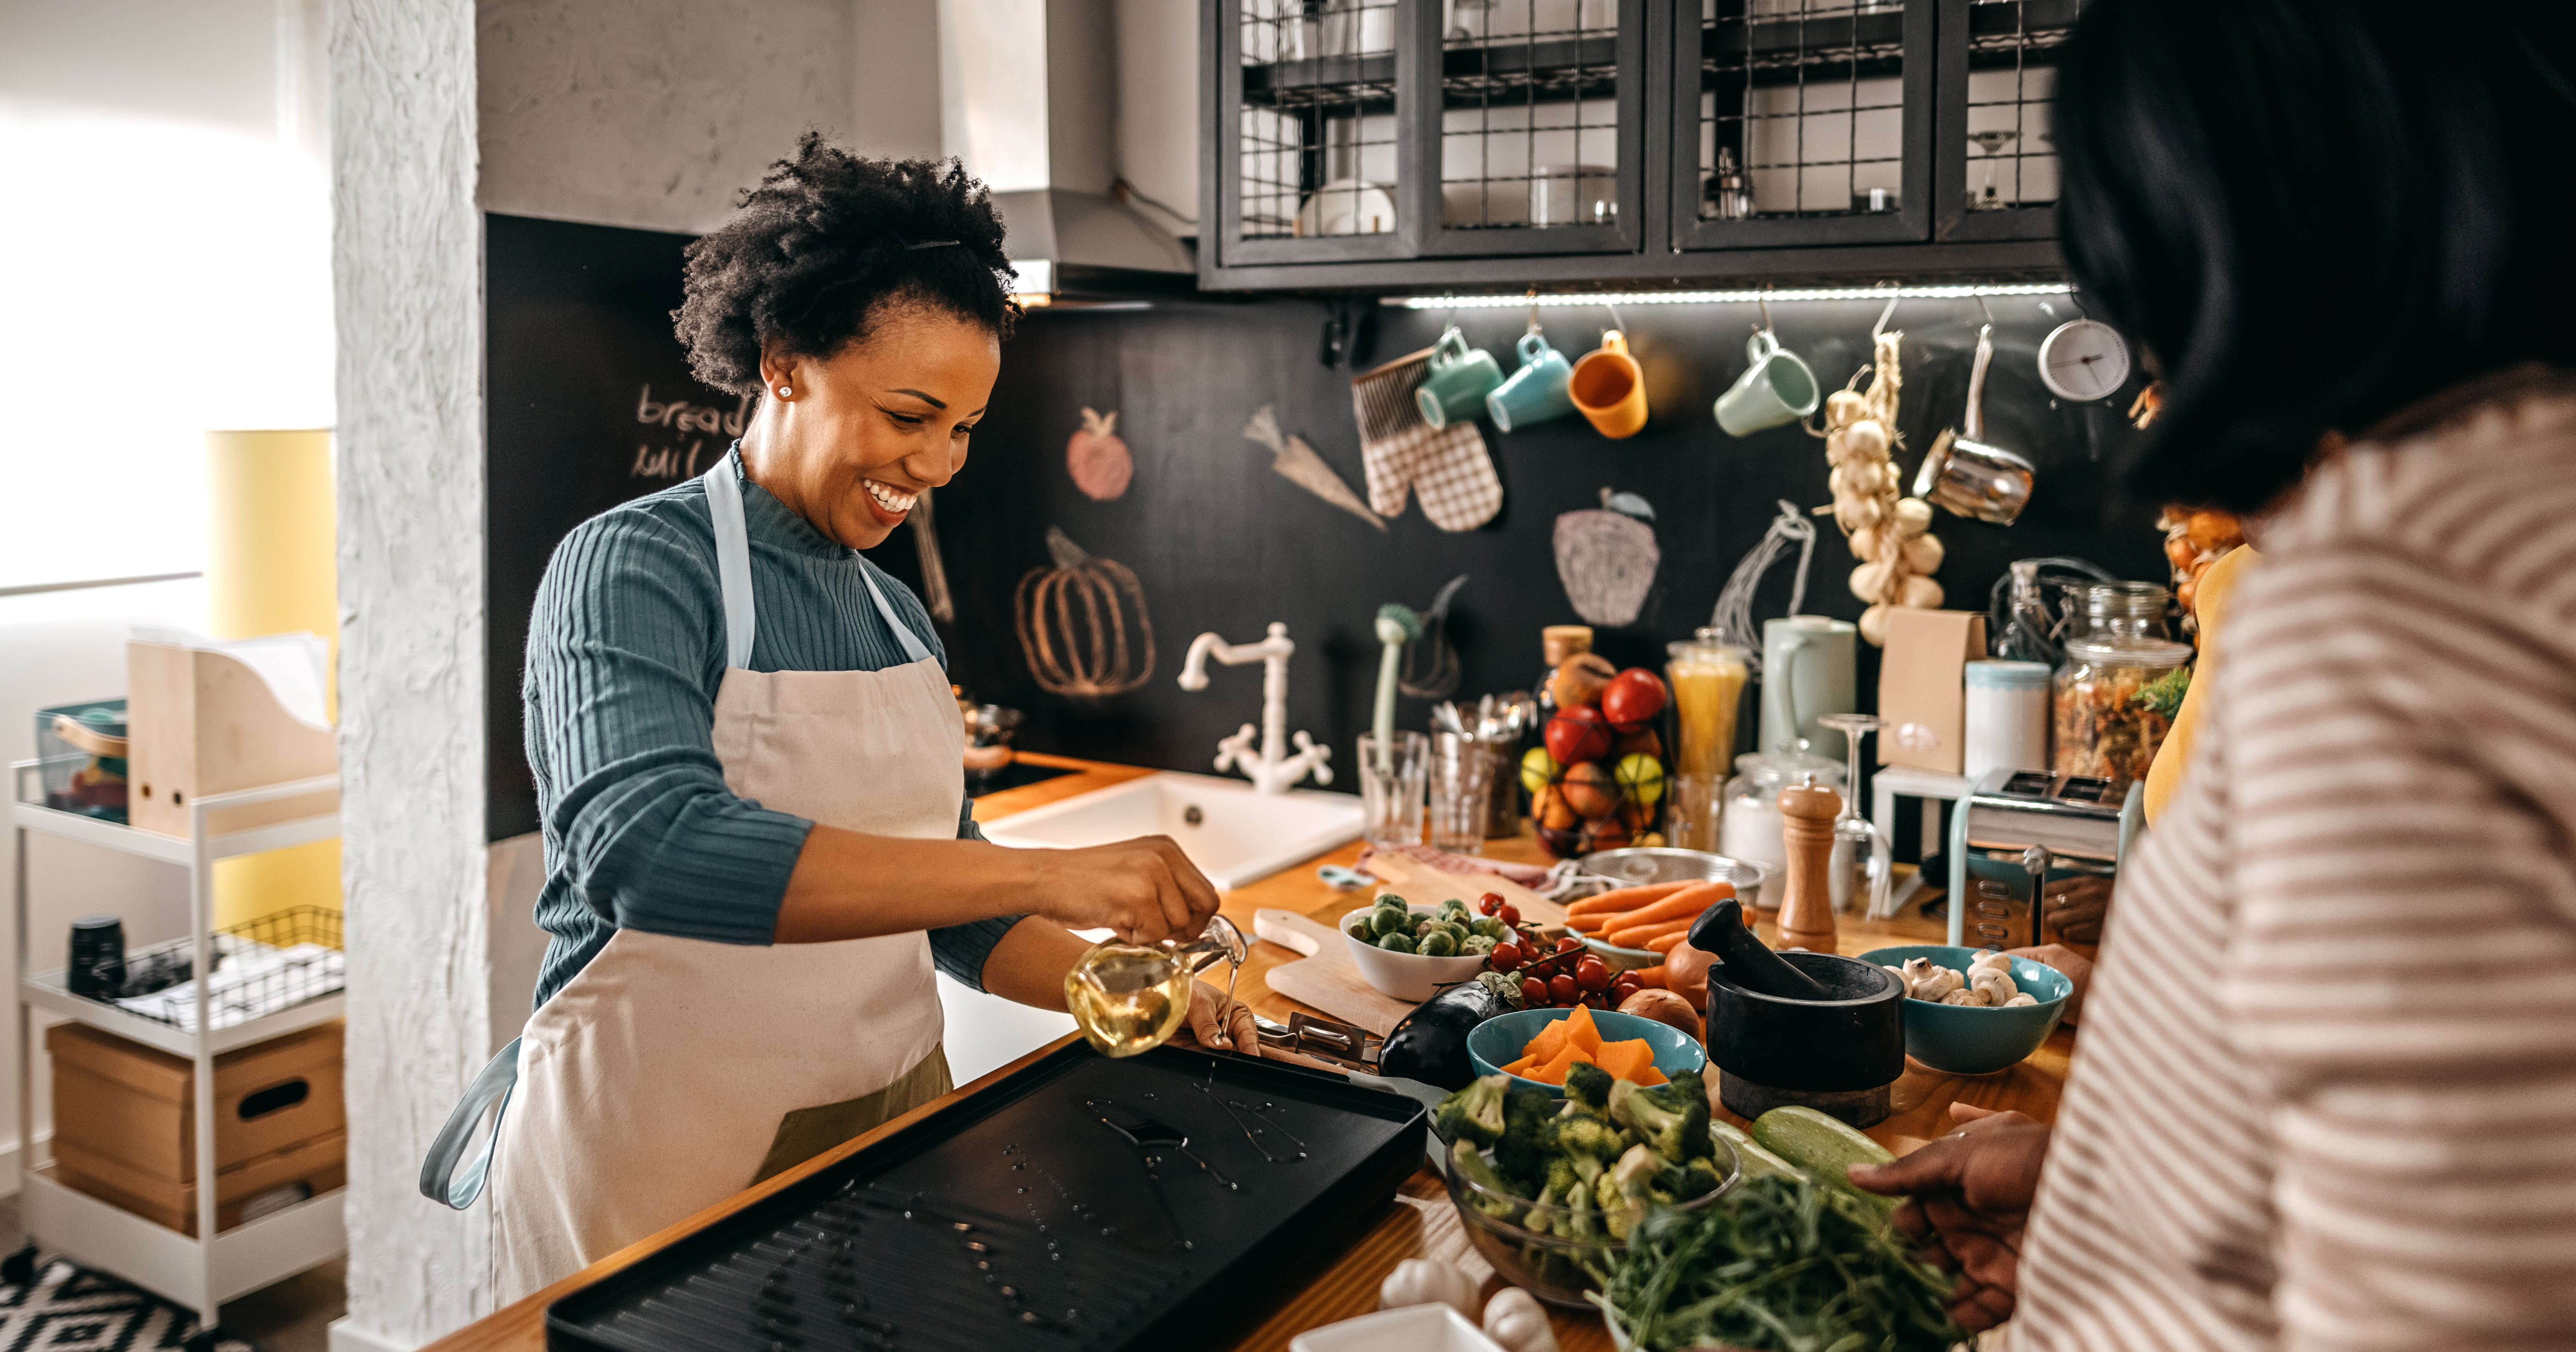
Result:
[[1802, 123], [1996, 150], [1417, 144]]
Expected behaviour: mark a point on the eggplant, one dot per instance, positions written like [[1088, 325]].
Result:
[[1431, 1044]]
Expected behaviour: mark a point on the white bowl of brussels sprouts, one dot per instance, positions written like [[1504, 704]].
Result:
[[1392, 956]]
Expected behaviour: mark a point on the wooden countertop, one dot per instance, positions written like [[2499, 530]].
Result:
[[1421, 1223]]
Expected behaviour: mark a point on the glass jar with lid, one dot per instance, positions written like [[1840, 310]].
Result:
[[1750, 827], [2114, 699], [2139, 610], [1708, 678]]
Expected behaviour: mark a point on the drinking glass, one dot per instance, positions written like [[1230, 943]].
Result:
[[1391, 777], [1461, 776], [1691, 822]]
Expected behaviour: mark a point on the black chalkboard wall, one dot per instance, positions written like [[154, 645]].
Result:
[[579, 325]]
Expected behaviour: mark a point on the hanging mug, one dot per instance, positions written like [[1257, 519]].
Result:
[[1609, 388], [1536, 392], [1776, 389], [1458, 381]]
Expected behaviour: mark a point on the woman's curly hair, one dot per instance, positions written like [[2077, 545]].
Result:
[[824, 240]]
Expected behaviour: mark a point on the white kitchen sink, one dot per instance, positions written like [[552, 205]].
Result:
[[1234, 835]]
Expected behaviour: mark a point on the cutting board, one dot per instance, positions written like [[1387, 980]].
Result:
[[1324, 976], [1418, 881]]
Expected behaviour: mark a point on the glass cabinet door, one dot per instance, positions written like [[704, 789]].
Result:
[[1997, 149], [1802, 122], [1538, 145], [1312, 161]]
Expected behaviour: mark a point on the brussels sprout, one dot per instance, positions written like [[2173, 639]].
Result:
[[1453, 907], [1438, 944], [1477, 945], [1391, 902], [1383, 923], [1396, 943], [1359, 929], [1490, 928]]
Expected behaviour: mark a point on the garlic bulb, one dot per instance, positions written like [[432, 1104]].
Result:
[[1428, 1281], [1515, 1320], [1867, 440], [1919, 593], [1845, 407], [1922, 554], [1913, 516], [1869, 581], [1873, 625]]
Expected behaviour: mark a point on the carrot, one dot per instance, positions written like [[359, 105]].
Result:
[[1637, 936], [1683, 905], [1652, 978], [1624, 898], [1668, 943]]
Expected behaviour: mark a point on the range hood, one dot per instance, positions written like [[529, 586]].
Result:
[[1028, 91]]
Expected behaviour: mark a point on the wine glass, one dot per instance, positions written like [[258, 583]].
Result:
[[1131, 998], [1993, 142], [1850, 827]]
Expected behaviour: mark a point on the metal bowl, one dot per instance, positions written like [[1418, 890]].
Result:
[[1644, 865]]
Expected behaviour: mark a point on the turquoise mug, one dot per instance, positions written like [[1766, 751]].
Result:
[[1776, 389], [1536, 392], [1459, 379]]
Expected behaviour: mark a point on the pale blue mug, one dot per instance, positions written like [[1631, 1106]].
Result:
[[1459, 379], [1536, 392]]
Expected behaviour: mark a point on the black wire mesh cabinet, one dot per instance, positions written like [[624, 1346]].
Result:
[[1802, 122], [1996, 148], [1542, 127], [1488, 144]]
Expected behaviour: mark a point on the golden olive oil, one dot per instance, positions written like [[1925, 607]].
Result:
[[1127, 998]]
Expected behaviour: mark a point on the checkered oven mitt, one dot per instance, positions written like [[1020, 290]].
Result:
[[1447, 466]]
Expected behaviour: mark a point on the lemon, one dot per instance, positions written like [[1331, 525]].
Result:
[[1538, 769], [1643, 777]]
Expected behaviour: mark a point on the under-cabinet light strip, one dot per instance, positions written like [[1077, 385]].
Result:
[[1569, 300]]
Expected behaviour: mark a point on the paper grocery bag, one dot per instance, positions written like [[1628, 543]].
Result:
[[1922, 687]]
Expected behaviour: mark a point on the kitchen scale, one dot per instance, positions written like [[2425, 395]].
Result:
[[2016, 825]]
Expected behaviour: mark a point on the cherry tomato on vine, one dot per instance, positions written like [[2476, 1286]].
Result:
[[1533, 991], [1508, 914], [1564, 990], [1568, 944], [1491, 903], [1505, 957], [1592, 974]]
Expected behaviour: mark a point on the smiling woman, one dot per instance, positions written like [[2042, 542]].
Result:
[[748, 763]]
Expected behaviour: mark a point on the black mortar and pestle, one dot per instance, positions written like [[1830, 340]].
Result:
[[1816, 1029]]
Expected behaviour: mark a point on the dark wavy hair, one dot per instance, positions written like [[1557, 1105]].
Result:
[[826, 240], [2315, 212]]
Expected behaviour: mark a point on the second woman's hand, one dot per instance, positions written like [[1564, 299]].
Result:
[[1970, 1194], [1143, 890]]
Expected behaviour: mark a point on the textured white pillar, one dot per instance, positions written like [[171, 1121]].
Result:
[[406, 264]]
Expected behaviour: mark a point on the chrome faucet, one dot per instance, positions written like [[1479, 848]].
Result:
[[1273, 769]]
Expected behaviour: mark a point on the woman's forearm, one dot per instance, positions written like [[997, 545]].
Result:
[[850, 885], [1029, 964]]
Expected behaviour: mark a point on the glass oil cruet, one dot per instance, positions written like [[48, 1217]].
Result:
[[1131, 998]]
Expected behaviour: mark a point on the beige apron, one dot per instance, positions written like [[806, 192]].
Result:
[[670, 1073]]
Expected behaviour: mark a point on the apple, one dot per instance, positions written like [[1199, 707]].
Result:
[[1579, 681], [1643, 742], [1590, 790], [1632, 699], [1577, 734]]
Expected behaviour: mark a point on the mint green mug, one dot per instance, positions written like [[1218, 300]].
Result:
[[1776, 389], [1536, 392], [1459, 379]]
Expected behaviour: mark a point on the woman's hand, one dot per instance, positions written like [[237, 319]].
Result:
[[2078, 971], [1145, 890], [1970, 1194], [2077, 908], [1218, 1024]]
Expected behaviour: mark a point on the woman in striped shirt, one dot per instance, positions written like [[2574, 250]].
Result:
[[2326, 1096]]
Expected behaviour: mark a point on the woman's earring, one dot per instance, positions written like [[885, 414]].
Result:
[[784, 392]]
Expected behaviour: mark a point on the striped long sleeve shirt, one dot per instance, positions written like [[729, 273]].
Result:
[[2326, 1096], [625, 651]]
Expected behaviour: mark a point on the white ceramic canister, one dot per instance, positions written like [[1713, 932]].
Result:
[[1751, 826], [2006, 716]]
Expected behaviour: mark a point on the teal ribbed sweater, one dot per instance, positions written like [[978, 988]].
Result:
[[625, 652]]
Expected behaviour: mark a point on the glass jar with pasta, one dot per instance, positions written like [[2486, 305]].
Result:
[[2110, 714]]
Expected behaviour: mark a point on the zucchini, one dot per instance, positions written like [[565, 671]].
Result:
[[1824, 1146], [1755, 1160]]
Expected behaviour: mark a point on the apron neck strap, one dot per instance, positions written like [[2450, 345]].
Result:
[[733, 555], [733, 569]]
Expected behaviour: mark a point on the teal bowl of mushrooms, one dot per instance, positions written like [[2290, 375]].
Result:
[[1974, 1011]]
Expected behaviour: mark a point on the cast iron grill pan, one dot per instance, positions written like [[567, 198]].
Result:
[[926, 1240]]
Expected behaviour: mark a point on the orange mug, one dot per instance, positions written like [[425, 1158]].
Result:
[[1609, 388]]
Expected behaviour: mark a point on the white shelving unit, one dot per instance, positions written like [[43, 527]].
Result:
[[203, 1272]]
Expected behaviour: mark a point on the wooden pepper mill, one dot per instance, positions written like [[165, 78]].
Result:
[[1807, 815]]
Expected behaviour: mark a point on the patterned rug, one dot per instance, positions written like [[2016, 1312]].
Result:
[[68, 1308]]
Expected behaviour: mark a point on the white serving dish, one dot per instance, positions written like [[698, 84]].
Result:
[[1410, 1328], [1409, 977], [1234, 835]]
